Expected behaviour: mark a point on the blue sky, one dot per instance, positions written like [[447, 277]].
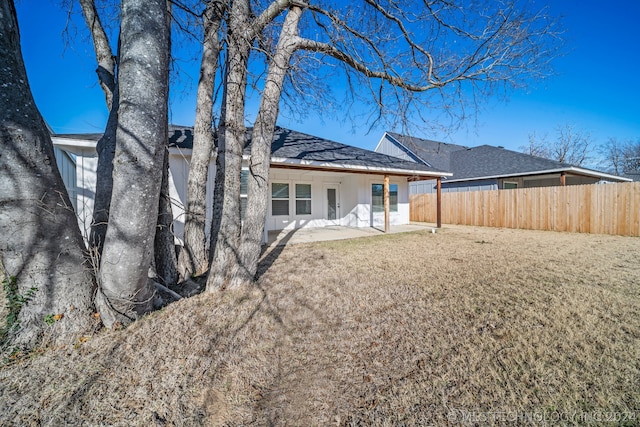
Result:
[[596, 87]]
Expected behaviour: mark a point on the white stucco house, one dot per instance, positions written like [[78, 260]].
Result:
[[314, 182]]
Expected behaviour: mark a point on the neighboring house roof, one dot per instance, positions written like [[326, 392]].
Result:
[[634, 176], [486, 162], [292, 149], [433, 153]]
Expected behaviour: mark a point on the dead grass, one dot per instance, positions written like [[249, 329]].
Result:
[[469, 326]]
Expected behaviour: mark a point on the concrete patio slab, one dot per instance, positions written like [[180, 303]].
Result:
[[307, 235]]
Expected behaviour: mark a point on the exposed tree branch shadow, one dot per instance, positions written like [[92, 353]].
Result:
[[270, 253]]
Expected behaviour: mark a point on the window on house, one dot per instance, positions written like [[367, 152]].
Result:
[[377, 197], [303, 199], [393, 198], [509, 185], [279, 199], [244, 189]]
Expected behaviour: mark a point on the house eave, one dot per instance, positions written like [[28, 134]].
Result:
[[284, 162], [571, 170], [79, 147]]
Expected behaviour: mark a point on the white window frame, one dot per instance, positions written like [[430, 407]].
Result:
[[243, 196], [296, 198], [288, 199]]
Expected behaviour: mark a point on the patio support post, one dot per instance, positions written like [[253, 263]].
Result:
[[439, 202], [563, 179], [386, 204]]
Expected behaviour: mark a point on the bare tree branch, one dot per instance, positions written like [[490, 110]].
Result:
[[104, 54]]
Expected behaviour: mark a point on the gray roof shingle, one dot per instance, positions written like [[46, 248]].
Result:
[[488, 161], [301, 147], [291, 144], [632, 175], [485, 161]]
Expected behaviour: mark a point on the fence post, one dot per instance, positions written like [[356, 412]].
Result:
[[439, 203]]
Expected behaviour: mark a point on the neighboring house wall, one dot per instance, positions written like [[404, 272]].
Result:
[[353, 196], [555, 181], [457, 187], [385, 146], [423, 187], [429, 187]]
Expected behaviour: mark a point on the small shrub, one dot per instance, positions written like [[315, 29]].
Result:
[[15, 302]]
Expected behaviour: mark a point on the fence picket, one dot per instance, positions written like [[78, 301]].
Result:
[[603, 209]]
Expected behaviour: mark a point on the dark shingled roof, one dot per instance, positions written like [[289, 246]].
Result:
[[632, 175], [79, 136], [180, 136], [488, 161], [301, 148], [485, 161], [291, 144]]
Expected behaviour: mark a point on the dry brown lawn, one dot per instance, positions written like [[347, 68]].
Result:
[[469, 326]]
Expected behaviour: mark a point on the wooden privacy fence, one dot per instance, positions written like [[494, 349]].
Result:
[[596, 208]]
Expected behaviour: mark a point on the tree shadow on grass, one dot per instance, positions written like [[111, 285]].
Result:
[[271, 252]]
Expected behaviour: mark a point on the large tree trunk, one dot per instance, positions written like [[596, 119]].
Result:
[[193, 260], [40, 242], [225, 227], [166, 263], [125, 291], [106, 147], [165, 258], [261, 139]]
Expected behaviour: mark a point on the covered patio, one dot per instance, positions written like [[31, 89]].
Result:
[[320, 234]]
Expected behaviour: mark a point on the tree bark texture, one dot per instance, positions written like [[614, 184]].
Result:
[[261, 140], [166, 263], [106, 146], [106, 149], [124, 291], [193, 260], [226, 223], [40, 243]]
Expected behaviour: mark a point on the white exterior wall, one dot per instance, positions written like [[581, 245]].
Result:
[[178, 179], [395, 218], [67, 168], [353, 214], [354, 196], [86, 168], [319, 182]]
